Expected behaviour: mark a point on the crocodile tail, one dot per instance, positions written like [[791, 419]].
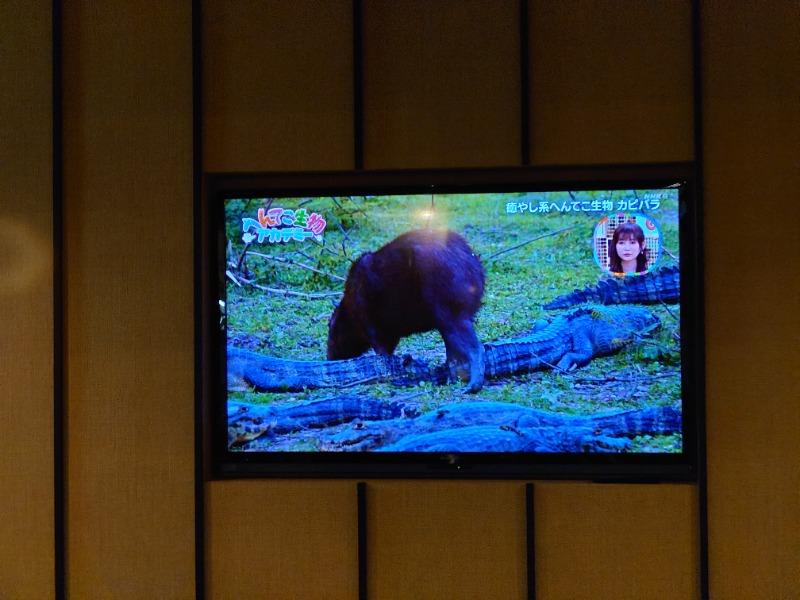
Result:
[[661, 285]]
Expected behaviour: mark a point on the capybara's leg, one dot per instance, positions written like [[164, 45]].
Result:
[[463, 347]]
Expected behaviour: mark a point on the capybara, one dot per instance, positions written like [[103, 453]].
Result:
[[424, 279]]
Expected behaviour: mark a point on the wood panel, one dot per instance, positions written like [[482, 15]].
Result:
[[282, 539], [446, 540], [26, 302], [128, 199], [611, 82], [128, 233], [278, 85], [616, 541], [441, 84], [752, 136]]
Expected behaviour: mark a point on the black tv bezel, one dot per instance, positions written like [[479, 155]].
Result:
[[223, 464]]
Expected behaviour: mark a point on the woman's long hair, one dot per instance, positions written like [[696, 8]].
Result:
[[627, 230]]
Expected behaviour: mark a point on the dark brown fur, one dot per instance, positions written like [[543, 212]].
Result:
[[423, 280]]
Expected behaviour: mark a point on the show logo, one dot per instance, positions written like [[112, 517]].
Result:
[[281, 225]]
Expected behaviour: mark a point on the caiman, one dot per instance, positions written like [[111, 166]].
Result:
[[570, 340], [249, 370], [661, 285], [459, 427], [484, 438], [247, 422], [558, 432]]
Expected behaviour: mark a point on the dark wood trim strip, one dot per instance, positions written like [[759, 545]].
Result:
[[530, 541], [361, 489], [702, 466], [197, 178], [358, 85], [524, 83], [59, 422]]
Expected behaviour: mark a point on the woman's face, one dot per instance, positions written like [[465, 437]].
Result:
[[628, 248]]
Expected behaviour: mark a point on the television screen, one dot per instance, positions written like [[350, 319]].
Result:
[[489, 323]]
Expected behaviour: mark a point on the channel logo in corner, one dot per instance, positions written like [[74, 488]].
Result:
[[281, 225]]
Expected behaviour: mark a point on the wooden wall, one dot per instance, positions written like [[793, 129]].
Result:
[[751, 137], [128, 299], [611, 81], [26, 303]]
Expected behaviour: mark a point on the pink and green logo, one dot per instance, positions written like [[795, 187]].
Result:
[[281, 225]]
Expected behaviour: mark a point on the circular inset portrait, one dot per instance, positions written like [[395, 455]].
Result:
[[626, 244]]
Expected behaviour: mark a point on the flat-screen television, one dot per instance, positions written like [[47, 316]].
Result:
[[485, 323]]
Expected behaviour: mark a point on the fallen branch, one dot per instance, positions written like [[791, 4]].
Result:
[[282, 292], [526, 242], [295, 263]]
